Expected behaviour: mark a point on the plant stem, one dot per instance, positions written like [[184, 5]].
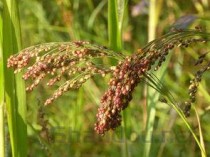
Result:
[[2, 142], [114, 31], [152, 94], [202, 144], [14, 85]]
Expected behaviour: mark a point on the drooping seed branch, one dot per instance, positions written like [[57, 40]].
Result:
[[74, 63]]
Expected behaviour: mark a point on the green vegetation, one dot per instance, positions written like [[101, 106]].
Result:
[[13, 93], [92, 60]]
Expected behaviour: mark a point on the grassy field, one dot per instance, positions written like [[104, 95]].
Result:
[[157, 121]]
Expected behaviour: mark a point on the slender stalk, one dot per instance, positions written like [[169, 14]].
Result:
[[170, 101], [180, 113], [114, 31], [151, 94], [14, 86], [202, 144], [2, 142], [152, 20]]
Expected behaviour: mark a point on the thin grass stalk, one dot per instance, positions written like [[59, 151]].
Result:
[[2, 133], [170, 100], [78, 108], [151, 94], [203, 153], [14, 86], [181, 114], [115, 20], [95, 12], [114, 32], [79, 112]]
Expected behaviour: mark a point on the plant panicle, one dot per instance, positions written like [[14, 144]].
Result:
[[75, 62]]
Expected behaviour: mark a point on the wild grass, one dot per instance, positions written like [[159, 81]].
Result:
[[78, 117], [13, 94]]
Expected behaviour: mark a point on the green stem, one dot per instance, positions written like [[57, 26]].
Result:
[[115, 39], [189, 127], [152, 94], [152, 20], [202, 144], [2, 142], [14, 85]]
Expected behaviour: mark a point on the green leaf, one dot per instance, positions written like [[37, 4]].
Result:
[[14, 85], [2, 143]]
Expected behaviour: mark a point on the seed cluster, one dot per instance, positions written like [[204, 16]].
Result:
[[125, 79], [194, 83], [129, 73], [74, 63], [72, 60]]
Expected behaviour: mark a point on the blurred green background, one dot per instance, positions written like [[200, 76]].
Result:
[[68, 123]]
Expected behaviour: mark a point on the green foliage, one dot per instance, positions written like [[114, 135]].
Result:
[[2, 132], [14, 89]]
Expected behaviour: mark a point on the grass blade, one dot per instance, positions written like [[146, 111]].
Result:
[[203, 153], [14, 86], [2, 143], [113, 26], [152, 95]]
